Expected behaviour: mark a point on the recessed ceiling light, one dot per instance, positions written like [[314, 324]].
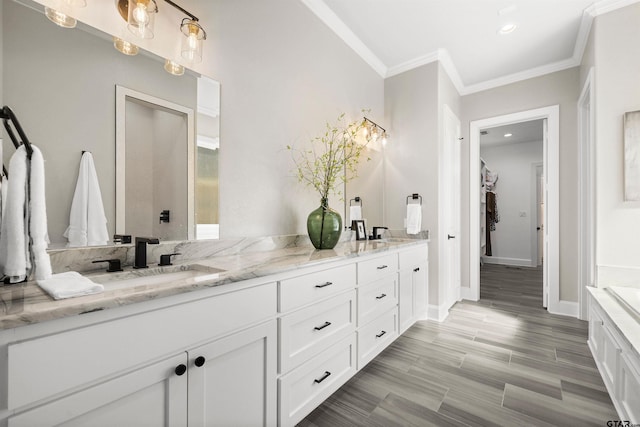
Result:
[[507, 135], [507, 29]]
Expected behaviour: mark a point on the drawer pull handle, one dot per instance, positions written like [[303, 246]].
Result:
[[322, 378], [199, 362], [181, 369], [381, 334], [319, 328], [324, 285], [415, 270], [381, 296], [382, 267]]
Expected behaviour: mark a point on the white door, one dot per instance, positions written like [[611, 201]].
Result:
[[232, 381], [540, 215], [450, 266]]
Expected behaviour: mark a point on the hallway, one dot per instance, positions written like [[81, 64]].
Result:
[[501, 361]]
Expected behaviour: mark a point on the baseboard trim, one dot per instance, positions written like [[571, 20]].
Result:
[[438, 312], [564, 308], [468, 294], [520, 262]]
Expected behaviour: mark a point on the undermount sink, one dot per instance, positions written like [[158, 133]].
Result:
[[192, 273]]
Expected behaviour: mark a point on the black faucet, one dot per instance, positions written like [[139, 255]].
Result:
[[375, 235], [141, 251]]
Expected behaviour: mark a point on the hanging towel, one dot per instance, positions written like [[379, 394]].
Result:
[[69, 284], [355, 213], [414, 218], [41, 263], [14, 255], [87, 221]]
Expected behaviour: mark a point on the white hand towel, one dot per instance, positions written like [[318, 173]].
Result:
[[87, 221], [14, 256], [414, 218], [41, 267], [69, 284], [355, 213]]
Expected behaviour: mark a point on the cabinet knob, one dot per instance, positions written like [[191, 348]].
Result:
[[199, 362], [382, 267], [181, 369], [415, 270], [381, 296], [381, 334]]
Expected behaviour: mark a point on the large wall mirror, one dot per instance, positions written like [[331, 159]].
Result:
[[61, 83]]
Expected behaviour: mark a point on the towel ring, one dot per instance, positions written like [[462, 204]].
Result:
[[357, 199], [414, 196]]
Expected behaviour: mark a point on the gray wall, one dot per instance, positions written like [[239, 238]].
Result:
[[61, 85], [616, 47], [283, 74], [557, 88]]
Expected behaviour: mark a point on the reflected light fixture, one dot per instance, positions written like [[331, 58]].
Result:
[[508, 135], [507, 29], [374, 130], [60, 16], [173, 67], [125, 47]]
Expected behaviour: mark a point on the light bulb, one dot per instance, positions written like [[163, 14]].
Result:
[[59, 18], [140, 14]]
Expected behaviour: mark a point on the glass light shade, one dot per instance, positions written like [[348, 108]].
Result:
[[76, 3], [192, 43], [141, 17], [59, 18], [125, 47], [174, 68]]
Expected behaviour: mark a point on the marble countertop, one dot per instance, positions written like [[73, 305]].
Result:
[[26, 303], [624, 321]]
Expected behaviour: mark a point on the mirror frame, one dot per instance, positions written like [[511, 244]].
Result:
[[122, 93]]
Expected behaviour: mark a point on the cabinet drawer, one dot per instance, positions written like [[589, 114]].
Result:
[[629, 387], [43, 367], [302, 290], [373, 269], [413, 257], [310, 330], [304, 388], [376, 298], [376, 336]]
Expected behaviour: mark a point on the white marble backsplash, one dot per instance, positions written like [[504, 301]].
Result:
[[81, 259]]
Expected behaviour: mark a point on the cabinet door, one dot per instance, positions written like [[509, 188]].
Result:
[[232, 381], [420, 276], [406, 300], [155, 395]]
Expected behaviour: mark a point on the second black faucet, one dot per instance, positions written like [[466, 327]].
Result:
[[141, 251]]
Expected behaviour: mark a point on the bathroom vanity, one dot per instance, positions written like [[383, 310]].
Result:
[[260, 338], [614, 340]]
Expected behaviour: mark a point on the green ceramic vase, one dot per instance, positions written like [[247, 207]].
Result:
[[324, 226]]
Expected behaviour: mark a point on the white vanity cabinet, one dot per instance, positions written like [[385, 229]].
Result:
[[412, 284], [208, 361], [617, 361]]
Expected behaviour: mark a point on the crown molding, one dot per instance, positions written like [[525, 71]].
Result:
[[331, 20], [326, 15]]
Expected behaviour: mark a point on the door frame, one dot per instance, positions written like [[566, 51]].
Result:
[[552, 200], [587, 195]]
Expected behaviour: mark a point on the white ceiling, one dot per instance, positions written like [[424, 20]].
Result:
[[530, 131], [394, 36]]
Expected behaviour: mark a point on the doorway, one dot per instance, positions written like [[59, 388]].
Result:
[[512, 208], [551, 268]]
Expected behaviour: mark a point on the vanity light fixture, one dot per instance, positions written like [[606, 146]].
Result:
[[125, 47], [374, 130], [173, 67], [59, 14], [141, 17]]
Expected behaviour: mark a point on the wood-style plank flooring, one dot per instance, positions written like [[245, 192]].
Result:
[[502, 361]]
